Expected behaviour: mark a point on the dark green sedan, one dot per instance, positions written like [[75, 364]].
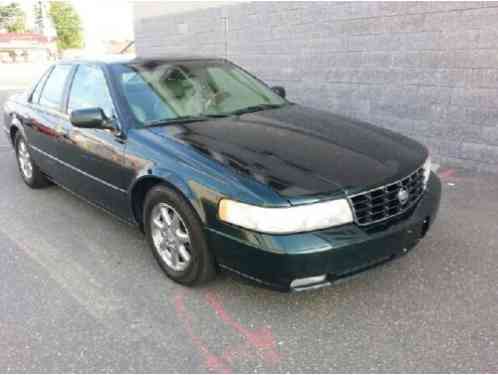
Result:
[[220, 171]]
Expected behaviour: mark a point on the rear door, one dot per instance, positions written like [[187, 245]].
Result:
[[44, 122]]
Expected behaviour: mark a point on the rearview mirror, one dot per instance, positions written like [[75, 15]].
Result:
[[279, 90], [90, 118]]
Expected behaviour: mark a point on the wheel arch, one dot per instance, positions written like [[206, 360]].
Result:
[[144, 184], [15, 127], [13, 132]]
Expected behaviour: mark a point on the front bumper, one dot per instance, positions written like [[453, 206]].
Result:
[[277, 260]]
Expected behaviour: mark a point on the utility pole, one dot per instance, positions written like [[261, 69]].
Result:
[[225, 19], [40, 17]]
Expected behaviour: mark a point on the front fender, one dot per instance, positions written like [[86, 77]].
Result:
[[176, 182]]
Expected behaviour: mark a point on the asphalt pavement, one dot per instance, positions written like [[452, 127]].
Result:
[[81, 292]]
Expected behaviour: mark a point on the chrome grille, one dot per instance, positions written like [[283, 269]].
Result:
[[384, 202]]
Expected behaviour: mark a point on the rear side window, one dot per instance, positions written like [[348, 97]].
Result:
[[89, 90], [53, 91], [35, 98]]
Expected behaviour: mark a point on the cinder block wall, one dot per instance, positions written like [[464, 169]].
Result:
[[428, 70]]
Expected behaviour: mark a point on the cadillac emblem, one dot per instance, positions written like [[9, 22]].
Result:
[[403, 196]]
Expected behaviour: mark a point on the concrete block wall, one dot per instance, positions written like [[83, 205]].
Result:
[[426, 69]]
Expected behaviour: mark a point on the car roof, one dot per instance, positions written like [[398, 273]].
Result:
[[132, 59]]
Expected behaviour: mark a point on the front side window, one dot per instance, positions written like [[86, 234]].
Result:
[[161, 91], [53, 91], [89, 90]]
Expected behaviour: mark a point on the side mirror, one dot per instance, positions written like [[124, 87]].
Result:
[[279, 90], [90, 118]]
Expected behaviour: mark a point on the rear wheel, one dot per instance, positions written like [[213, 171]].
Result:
[[30, 173], [176, 237]]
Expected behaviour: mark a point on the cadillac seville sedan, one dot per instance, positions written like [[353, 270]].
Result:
[[220, 171]]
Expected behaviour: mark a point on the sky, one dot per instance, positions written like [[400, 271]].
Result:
[[105, 20], [102, 19]]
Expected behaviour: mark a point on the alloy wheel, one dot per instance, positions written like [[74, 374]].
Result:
[[170, 237], [25, 160]]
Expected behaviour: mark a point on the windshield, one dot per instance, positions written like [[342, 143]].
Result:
[[158, 92]]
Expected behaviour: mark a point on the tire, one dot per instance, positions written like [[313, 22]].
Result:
[[166, 240], [30, 172]]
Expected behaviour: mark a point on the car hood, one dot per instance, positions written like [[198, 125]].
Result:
[[300, 152]]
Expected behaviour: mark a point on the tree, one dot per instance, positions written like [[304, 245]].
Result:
[[39, 17], [67, 24], [12, 18]]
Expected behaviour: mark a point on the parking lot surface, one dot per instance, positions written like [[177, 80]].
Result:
[[81, 291]]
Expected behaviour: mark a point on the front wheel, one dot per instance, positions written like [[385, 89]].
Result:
[[175, 234], [30, 173]]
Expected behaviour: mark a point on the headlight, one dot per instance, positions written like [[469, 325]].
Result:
[[427, 170], [286, 219]]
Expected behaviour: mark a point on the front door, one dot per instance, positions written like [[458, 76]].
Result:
[[94, 157]]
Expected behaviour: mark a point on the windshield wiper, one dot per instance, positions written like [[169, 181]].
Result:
[[217, 115], [206, 116], [256, 108], [177, 120]]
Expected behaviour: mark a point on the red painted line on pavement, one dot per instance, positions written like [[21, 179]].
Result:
[[212, 362], [446, 174], [260, 339], [257, 344]]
